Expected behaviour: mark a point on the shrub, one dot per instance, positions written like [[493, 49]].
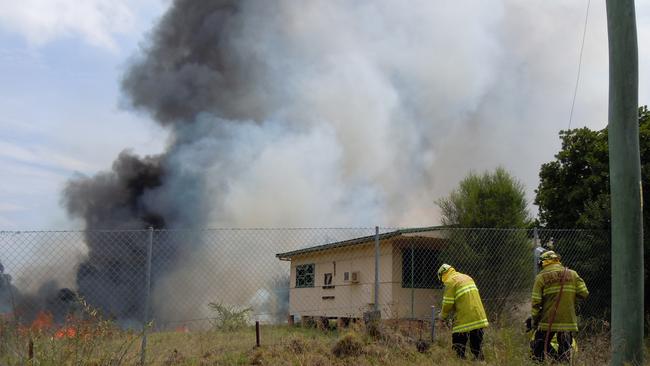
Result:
[[229, 318]]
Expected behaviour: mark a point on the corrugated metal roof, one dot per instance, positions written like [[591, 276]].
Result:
[[357, 241]]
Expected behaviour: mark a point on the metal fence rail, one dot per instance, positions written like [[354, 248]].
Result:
[[282, 276]]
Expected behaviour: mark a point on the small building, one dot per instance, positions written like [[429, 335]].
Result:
[[337, 280]]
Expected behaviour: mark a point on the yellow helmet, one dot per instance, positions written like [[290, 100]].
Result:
[[443, 269], [547, 255]]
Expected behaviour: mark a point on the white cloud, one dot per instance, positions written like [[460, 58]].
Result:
[[41, 21], [43, 155]]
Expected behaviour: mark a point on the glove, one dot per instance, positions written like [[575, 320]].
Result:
[[529, 324]]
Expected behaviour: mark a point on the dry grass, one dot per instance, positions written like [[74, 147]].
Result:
[[282, 345]]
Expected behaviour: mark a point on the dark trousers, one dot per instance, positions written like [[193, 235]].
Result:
[[459, 342], [563, 353]]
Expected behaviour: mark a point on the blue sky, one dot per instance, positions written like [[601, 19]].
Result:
[[60, 115], [60, 106]]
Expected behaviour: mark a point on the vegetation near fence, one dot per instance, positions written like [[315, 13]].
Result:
[[397, 343]]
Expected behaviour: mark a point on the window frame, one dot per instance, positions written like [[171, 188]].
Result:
[[327, 285], [305, 275], [424, 269]]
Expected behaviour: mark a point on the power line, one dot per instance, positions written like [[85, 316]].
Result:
[[582, 47]]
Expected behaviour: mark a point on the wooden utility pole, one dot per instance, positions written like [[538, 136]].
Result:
[[625, 182]]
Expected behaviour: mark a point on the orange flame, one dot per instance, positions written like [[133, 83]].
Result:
[[43, 321], [69, 332]]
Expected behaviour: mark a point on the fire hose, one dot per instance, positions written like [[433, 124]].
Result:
[[555, 307]]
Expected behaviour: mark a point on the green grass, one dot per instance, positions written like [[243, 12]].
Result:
[[281, 345]]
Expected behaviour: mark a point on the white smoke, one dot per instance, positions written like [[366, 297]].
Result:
[[363, 113]]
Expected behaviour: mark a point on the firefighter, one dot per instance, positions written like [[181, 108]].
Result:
[[553, 307], [461, 297]]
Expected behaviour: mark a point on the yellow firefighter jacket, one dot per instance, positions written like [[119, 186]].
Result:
[[461, 297], [545, 293]]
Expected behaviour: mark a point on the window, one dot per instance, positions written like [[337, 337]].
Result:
[[419, 267], [327, 281], [305, 275]]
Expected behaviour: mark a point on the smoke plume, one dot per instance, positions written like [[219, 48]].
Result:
[[312, 113], [326, 113]]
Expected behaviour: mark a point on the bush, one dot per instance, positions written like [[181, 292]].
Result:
[[229, 318]]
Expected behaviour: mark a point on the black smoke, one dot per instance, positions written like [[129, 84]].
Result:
[[191, 65], [114, 199], [186, 68], [112, 277]]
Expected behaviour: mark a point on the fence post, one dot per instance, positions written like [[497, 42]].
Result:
[[147, 290], [376, 268], [30, 350]]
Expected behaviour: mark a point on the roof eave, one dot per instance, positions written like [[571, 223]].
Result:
[[353, 242]]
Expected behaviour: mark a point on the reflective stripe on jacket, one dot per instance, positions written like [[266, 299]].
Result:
[[461, 297], [545, 293]]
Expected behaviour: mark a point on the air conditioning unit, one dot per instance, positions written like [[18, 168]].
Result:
[[355, 277]]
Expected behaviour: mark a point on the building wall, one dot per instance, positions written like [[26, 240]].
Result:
[[352, 300], [422, 300], [346, 299]]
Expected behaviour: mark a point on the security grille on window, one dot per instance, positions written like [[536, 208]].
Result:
[[305, 275], [419, 266], [327, 281]]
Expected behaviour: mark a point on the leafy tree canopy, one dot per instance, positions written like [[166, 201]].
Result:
[[488, 200], [574, 188]]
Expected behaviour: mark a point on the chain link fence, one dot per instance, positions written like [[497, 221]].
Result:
[[226, 279]]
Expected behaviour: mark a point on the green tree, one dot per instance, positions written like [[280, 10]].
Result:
[[574, 188], [488, 200], [500, 261], [574, 193]]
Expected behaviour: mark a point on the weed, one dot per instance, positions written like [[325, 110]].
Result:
[[229, 318]]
